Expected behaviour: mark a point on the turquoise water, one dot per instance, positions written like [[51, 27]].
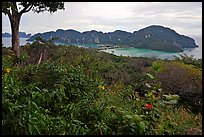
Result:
[[132, 52], [88, 45], [139, 52]]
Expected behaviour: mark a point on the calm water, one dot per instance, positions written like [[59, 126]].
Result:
[[132, 52], [6, 41], [196, 52], [138, 52]]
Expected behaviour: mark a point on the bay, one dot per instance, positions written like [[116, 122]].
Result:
[[132, 52], [6, 41], [139, 52]]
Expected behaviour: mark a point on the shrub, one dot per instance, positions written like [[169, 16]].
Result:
[[77, 91], [184, 80]]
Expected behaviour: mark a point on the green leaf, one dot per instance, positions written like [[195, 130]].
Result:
[[149, 93], [137, 117], [35, 105], [171, 102], [142, 116], [159, 89], [149, 75], [128, 116], [174, 97], [142, 125], [12, 83], [78, 130], [147, 85], [38, 89], [30, 129], [37, 129], [167, 97]]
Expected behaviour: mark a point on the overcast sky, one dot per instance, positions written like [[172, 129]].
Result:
[[183, 17]]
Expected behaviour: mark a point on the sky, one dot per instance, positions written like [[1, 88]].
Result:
[[183, 17]]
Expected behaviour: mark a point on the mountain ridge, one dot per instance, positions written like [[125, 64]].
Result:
[[154, 37], [21, 35]]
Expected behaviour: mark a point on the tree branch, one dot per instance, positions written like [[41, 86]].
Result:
[[29, 8], [39, 59], [26, 8], [6, 11]]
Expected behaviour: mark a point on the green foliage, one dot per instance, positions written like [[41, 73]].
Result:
[[77, 91], [15, 10], [182, 79], [40, 39], [32, 102], [35, 6], [189, 60], [46, 6], [156, 66], [155, 44]]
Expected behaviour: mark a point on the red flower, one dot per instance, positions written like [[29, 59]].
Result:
[[148, 106]]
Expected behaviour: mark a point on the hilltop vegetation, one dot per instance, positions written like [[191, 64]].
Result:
[[152, 37], [78, 91]]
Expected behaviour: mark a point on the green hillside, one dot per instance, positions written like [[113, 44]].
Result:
[[153, 37], [67, 90]]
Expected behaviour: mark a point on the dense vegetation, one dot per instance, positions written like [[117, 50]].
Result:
[[78, 91], [152, 37]]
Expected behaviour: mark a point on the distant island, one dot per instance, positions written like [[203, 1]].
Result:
[[153, 37], [21, 35]]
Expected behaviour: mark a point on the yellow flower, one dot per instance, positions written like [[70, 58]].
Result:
[[101, 87], [8, 70], [154, 97]]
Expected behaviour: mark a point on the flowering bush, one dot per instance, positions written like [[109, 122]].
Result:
[[68, 94], [7, 70], [148, 106], [101, 87]]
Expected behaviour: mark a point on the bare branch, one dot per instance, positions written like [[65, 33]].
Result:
[[39, 59]]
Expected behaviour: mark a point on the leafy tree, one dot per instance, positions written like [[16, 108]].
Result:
[[14, 10]]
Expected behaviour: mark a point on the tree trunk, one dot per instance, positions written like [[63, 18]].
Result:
[[15, 23]]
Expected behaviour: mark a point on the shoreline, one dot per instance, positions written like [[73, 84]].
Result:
[[114, 49]]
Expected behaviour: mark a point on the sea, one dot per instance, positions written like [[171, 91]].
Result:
[[140, 52], [133, 52]]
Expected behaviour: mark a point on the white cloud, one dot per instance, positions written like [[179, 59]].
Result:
[[184, 17], [110, 10]]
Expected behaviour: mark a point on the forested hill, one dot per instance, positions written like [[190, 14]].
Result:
[[21, 35], [152, 37]]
